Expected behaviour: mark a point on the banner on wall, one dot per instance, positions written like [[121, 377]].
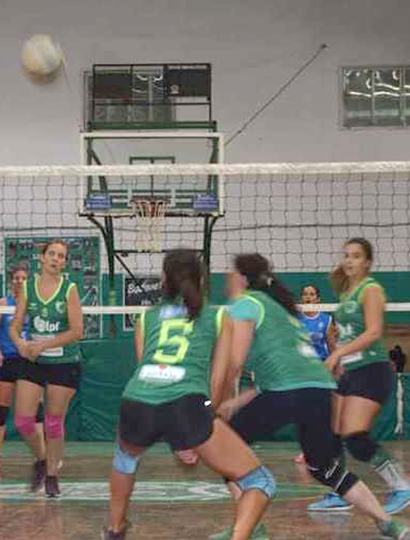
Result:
[[141, 291]]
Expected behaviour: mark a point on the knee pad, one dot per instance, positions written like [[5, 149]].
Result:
[[40, 414], [334, 476], [4, 411], [54, 426], [26, 425], [261, 479], [124, 463], [361, 446]]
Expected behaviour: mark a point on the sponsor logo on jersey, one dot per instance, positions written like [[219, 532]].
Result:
[[42, 325], [350, 307], [61, 307]]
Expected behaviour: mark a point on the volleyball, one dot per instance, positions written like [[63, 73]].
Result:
[[41, 56]]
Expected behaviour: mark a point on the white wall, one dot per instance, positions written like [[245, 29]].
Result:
[[254, 46]]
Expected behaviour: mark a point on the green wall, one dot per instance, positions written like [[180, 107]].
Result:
[[108, 365], [396, 284]]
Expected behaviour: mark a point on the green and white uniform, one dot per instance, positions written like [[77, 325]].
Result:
[[281, 356], [349, 318], [47, 318], [177, 354]]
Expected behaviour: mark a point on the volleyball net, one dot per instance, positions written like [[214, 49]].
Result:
[[121, 219]]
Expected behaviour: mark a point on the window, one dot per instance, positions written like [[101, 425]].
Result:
[[376, 96]]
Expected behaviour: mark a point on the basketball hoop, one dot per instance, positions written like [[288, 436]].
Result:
[[150, 216]]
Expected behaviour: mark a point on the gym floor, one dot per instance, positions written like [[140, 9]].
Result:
[[169, 501]]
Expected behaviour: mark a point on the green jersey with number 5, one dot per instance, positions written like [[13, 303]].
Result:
[[281, 356], [349, 318], [177, 354]]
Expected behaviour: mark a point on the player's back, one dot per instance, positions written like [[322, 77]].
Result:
[[281, 355], [176, 354]]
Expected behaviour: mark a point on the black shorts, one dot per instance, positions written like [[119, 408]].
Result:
[[309, 408], [12, 368], [67, 375], [183, 423], [374, 382]]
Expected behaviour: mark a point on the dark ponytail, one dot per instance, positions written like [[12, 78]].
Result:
[[184, 277], [260, 277]]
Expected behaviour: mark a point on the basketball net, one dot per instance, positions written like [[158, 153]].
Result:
[[150, 216]]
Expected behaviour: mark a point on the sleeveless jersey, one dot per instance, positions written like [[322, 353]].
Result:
[[281, 355], [177, 354], [49, 318], [349, 318], [7, 347], [317, 327]]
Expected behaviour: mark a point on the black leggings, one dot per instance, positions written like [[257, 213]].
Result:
[[308, 408]]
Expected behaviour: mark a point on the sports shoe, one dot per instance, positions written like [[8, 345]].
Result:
[[396, 501], [393, 529], [331, 502], [51, 487], [38, 475], [259, 533], [107, 534], [300, 459]]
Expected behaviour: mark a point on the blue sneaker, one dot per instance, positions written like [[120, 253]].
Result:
[[331, 502], [396, 501]]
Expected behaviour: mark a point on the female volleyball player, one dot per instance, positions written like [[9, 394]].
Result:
[[11, 365], [320, 327], [167, 398], [52, 353], [318, 324], [367, 381], [293, 385]]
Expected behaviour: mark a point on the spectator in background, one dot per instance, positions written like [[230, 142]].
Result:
[[398, 358], [318, 324]]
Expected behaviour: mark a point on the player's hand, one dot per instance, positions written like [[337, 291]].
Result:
[[338, 371], [227, 409], [22, 348], [187, 457], [1, 359], [332, 362], [34, 349]]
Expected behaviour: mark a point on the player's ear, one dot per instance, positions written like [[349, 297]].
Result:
[[245, 282]]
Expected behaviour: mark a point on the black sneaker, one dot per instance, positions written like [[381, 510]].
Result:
[[51, 486], [38, 475], [107, 534]]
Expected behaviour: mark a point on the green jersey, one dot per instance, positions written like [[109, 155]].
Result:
[[177, 354], [349, 318], [281, 356], [47, 318]]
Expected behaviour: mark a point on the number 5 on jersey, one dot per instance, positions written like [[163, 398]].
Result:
[[173, 342]]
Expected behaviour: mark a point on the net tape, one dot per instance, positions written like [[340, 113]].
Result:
[[225, 169], [129, 310]]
